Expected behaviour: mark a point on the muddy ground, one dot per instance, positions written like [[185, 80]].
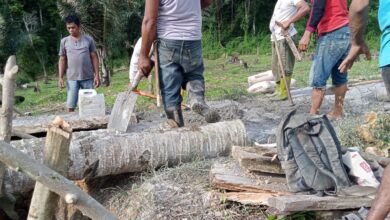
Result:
[[184, 192]]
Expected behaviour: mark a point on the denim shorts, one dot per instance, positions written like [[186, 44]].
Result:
[[180, 61], [73, 87], [332, 49]]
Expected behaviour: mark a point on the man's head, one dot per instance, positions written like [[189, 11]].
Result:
[[73, 25]]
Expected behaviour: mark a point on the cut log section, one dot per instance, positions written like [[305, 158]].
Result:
[[56, 156], [230, 176], [119, 152], [34, 125], [258, 159], [248, 198], [293, 203]]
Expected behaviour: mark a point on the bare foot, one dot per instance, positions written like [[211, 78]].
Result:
[[333, 116]]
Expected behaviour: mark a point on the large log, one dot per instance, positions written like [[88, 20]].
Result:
[[134, 152], [39, 124]]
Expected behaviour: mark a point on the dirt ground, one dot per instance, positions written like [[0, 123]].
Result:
[[184, 192]]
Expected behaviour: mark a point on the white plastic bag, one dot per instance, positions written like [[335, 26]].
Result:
[[360, 170]]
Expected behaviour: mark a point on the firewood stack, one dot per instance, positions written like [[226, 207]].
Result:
[[253, 176]]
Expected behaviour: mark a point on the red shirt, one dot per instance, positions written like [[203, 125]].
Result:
[[327, 16]]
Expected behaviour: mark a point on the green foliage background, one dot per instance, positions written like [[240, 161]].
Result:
[[230, 27]]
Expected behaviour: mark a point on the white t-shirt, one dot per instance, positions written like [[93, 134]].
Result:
[[179, 20], [284, 10], [133, 69]]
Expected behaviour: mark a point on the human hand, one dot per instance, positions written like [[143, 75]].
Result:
[[96, 81], [145, 65], [284, 25], [354, 52], [304, 42], [61, 83]]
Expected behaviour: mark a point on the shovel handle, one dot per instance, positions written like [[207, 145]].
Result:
[[136, 81]]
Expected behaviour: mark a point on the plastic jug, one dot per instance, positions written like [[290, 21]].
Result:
[[91, 104]]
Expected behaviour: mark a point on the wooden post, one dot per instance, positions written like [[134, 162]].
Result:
[[8, 99], [150, 84], [56, 183], [56, 156], [156, 70]]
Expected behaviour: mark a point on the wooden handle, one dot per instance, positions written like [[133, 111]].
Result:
[[282, 69]]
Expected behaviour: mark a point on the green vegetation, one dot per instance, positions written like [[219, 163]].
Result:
[[224, 80], [32, 30]]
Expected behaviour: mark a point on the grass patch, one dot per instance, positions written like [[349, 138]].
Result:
[[224, 80]]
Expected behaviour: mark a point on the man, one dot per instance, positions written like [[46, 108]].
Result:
[[177, 24], [358, 18], [78, 56], [286, 12], [330, 19]]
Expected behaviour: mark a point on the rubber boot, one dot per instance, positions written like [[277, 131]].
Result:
[[276, 92], [195, 93], [283, 90], [175, 114]]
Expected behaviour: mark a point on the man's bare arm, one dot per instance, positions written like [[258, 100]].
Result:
[[205, 3], [61, 71], [95, 65], [302, 9], [149, 32], [358, 13], [380, 207]]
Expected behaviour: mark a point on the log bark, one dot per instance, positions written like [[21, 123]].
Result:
[[54, 181], [56, 154], [39, 124], [135, 152], [8, 99]]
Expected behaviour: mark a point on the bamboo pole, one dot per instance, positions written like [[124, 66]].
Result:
[[56, 156]]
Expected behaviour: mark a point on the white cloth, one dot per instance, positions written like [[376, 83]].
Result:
[[284, 10], [133, 68]]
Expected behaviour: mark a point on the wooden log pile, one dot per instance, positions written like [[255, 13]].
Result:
[[253, 176]]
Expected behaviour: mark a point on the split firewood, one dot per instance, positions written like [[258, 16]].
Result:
[[230, 176]]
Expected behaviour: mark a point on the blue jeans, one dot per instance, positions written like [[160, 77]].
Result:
[[332, 49], [179, 62], [73, 87]]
